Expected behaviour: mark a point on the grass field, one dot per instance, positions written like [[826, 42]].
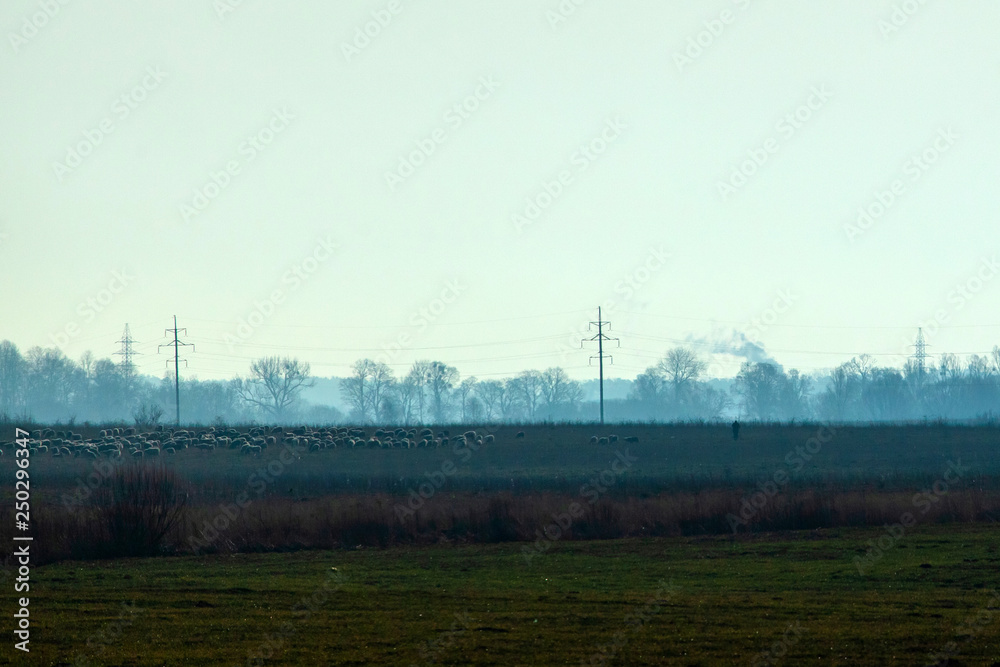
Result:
[[790, 598]]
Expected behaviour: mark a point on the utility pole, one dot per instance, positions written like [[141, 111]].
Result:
[[920, 353], [177, 368], [127, 367], [600, 338]]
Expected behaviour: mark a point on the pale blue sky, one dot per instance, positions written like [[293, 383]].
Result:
[[330, 126]]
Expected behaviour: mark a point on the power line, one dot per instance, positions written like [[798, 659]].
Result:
[[920, 353], [600, 338], [127, 365], [177, 372]]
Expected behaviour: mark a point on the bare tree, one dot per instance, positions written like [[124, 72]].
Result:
[[558, 389], [843, 390], [527, 388], [417, 378], [681, 368], [440, 379], [355, 388], [12, 372], [274, 384], [491, 393], [464, 392], [648, 387]]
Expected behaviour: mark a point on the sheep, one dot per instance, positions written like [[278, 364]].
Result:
[[631, 438], [593, 439], [470, 435], [488, 439], [153, 451], [612, 438], [520, 434], [602, 440]]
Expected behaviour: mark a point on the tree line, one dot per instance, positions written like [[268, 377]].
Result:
[[46, 386]]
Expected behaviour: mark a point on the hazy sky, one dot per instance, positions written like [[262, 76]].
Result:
[[470, 180]]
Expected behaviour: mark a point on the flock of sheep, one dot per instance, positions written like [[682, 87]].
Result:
[[120, 442], [610, 439], [123, 441]]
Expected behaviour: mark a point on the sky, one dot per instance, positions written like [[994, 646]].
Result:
[[469, 182]]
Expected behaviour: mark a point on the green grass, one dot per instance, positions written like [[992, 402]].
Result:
[[727, 601]]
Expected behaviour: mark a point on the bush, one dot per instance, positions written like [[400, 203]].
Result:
[[138, 506]]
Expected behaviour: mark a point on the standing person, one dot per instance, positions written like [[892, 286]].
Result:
[[736, 429]]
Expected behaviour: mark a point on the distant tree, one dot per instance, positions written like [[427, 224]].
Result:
[[649, 390], [491, 393], [474, 410], [355, 389], [440, 380], [527, 388], [794, 398], [382, 381], [708, 402], [842, 393], [106, 391], [759, 384], [87, 362], [885, 395], [465, 393], [53, 383], [558, 391], [12, 378], [418, 375], [274, 384], [681, 368]]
